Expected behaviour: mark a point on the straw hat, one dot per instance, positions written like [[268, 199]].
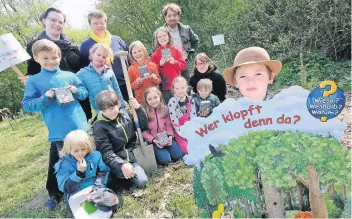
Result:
[[248, 56]]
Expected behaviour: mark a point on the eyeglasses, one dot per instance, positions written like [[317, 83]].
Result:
[[201, 63], [55, 20]]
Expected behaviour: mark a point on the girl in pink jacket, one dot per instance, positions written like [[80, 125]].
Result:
[[160, 131]]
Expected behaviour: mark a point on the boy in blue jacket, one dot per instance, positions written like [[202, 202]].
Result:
[[40, 95]]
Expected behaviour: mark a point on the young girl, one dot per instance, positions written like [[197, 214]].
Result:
[[80, 167], [181, 108], [143, 73], [98, 75], [169, 60], [160, 131], [205, 68]]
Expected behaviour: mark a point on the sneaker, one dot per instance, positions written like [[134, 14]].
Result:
[[51, 204]]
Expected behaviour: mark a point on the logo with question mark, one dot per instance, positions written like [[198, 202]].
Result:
[[326, 101]]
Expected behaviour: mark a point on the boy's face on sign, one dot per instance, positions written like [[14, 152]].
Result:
[[252, 80], [172, 18], [49, 60]]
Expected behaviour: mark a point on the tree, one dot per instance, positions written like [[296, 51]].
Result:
[[213, 183]]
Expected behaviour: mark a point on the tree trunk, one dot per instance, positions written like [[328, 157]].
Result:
[[289, 200], [248, 212], [274, 202], [299, 195], [344, 192], [317, 203]]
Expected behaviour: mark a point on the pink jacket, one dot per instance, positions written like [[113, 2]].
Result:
[[157, 124]]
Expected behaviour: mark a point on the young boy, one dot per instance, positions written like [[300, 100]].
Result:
[[252, 72], [40, 95], [204, 100], [115, 136]]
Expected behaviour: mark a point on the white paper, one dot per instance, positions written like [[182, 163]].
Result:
[[218, 39]]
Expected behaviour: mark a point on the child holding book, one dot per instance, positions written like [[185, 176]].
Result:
[[98, 75], [204, 100], [160, 131], [143, 73], [168, 59], [181, 108]]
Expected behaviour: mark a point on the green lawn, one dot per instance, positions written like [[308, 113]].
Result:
[[23, 169]]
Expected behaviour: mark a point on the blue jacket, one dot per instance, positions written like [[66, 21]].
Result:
[[60, 120], [71, 181], [117, 44], [96, 82]]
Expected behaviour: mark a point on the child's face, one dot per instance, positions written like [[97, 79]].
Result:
[[180, 89], [204, 92], [78, 152], [111, 112], [153, 99], [163, 38], [49, 60], [252, 80], [138, 54], [99, 57], [202, 67]]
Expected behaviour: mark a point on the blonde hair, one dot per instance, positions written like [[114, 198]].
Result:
[[166, 30], [107, 50], [162, 108], [141, 46], [96, 14], [76, 138], [179, 79], [172, 6], [107, 99], [205, 84], [202, 57], [45, 45]]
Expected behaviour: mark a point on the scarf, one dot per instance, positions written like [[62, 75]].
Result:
[[105, 40]]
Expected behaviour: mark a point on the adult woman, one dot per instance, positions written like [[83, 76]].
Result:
[[99, 34]]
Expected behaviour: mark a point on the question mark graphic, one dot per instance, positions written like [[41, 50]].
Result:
[[298, 118], [326, 93]]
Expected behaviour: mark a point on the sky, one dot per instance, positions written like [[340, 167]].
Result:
[[76, 11]]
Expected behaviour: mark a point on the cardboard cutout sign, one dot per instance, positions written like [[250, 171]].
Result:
[[11, 52], [218, 39]]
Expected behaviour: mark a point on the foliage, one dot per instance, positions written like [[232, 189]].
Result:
[[347, 211], [333, 210], [213, 183], [198, 190]]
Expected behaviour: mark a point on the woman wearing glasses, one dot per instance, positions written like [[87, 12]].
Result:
[[53, 22]]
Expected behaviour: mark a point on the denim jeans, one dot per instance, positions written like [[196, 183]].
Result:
[[166, 154], [140, 180]]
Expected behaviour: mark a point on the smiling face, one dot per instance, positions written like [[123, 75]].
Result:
[[54, 23], [172, 18], [163, 38], [202, 67], [180, 89], [49, 60], [138, 54], [78, 152], [153, 99], [252, 80], [98, 26], [99, 57]]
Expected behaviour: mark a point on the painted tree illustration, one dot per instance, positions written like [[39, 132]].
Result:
[[198, 190], [213, 183], [310, 159], [241, 169]]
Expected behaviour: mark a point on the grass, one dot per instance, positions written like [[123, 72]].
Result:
[[23, 172]]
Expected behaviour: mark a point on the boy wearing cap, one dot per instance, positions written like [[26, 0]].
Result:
[[252, 72]]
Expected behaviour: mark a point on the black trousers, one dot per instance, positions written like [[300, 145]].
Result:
[[123, 89], [51, 182], [85, 104]]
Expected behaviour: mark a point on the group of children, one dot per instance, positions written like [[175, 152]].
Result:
[[161, 111]]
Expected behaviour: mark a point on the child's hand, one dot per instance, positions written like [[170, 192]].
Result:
[[139, 81], [153, 76], [134, 103], [72, 88], [81, 165], [162, 62], [157, 143], [128, 170], [23, 79], [50, 93], [172, 60], [170, 141]]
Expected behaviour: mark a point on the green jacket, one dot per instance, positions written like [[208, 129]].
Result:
[[190, 40]]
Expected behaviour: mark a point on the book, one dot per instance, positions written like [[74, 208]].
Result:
[[143, 70], [166, 54], [204, 108], [89, 207], [64, 96], [163, 138]]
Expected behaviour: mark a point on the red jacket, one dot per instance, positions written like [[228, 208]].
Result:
[[133, 74], [157, 124], [169, 71]]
